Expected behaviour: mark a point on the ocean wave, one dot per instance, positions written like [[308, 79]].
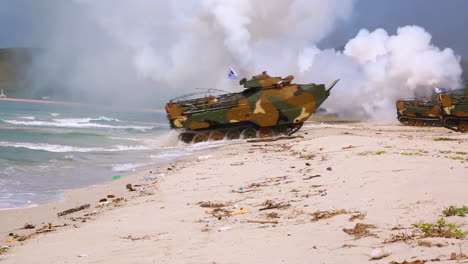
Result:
[[27, 117], [64, 148], [54, 114], [75, 123], [127, 166]]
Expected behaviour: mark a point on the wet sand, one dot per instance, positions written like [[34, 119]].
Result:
[[334, 194]]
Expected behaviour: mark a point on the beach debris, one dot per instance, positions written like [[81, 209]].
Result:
[[357, 215], [219, 213], [213, 204], [400, 237], [425, 243], [130, 187], [224, 228], [14, 235], [348, 147], [379, 253], [269, 205], [45, 229], [241, 188], [272, 215], [110, 196], [103, 200], [307, 157], [311, 177], [262, 221], [116, 177], [4, 249], [241, 211], [360, 230], [28, 226], [455, 256], [200, 158], [243, 191], [148, 178], [73, 210], [133, 238], [321, 192], [416, 261], [82, 255], [329, 169], [348, 246], [319, 215]]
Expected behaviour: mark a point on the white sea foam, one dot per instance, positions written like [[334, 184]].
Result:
[[74, 123], [64, 148], [127, 166], [27, 117], [54, 114]]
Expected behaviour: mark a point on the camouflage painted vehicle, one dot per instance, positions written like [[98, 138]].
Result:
[[414, 112], [267, 106], [448, 109], [455, 110]]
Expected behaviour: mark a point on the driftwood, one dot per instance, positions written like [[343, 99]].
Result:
[[243, 191], [263, 221], [275, 206], [311, 177], [72, 210]]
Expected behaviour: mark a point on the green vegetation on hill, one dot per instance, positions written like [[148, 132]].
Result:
[[14, 63]]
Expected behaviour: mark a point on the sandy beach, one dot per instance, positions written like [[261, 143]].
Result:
[[336, 193]]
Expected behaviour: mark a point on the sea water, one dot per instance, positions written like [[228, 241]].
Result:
[[47, 148]]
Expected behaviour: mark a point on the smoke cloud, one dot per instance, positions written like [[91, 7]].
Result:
[[145, 52], [377, 69]]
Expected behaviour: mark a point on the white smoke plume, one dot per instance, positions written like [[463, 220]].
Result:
[[148, 51], [377, 69]]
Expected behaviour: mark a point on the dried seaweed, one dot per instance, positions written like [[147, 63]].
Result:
[[319, 215], [360, 230]]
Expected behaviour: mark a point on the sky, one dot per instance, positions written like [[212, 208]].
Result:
[[445, 20], [26, 20]]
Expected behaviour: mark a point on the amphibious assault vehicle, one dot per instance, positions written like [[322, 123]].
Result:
[[267, 106], [448, 109]]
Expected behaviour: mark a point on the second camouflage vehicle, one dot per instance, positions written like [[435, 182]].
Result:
[[266, 107], [448, 109]]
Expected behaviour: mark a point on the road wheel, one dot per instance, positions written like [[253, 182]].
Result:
[[419, 123], [265, 132], [216, 136], [463, 126], [186, 137], [233, 134], [200, 138], [249, 132], [411, 122]]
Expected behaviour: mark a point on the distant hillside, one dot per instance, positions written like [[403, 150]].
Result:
[[14, 63]]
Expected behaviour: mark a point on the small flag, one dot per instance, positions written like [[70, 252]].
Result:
[[439, 90], [232, 75]]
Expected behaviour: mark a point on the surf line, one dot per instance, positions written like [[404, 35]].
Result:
[[152, 110]]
